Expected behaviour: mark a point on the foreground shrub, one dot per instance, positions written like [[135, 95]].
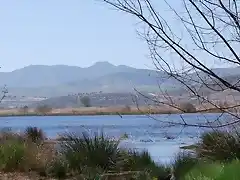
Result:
[[101, 156], [34, 134], [18, 154], [94, 152], [220, 146], [183, 163], [142, 161], [215, 171], [12, 154]]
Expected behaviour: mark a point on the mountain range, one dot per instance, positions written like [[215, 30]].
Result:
[[58, 80]]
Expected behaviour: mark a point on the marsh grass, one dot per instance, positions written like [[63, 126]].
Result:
[[87, 156], [96, 151]]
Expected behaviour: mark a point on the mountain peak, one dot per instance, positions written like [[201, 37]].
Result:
[[103, 64]]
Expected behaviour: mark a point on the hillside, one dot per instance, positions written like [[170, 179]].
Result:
[[59, 80], [42, 75]]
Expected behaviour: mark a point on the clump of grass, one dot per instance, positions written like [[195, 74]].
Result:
[[34, 134], [19, 154], [219, 146], [94, 152], [58, 168], [12, 154], [101, 156], [183, 163], [142, 161]]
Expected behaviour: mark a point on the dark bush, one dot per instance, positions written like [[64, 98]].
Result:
[[86, 101], [219, 145], [34, 134], [188, 108], [24, 109], [43, 109]]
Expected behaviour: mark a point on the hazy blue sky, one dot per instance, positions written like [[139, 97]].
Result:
[[76, 32]]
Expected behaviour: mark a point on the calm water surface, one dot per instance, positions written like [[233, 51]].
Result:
[[144, 132]]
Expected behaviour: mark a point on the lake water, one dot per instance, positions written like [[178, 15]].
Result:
[[154, 135]]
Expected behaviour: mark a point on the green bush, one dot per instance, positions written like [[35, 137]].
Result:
[[86, 101], [215, 171], [12, 154], [183, 163], [19, 154], [219, 146], [34, 134]]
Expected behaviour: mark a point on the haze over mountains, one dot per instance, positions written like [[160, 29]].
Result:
[[58, 80]]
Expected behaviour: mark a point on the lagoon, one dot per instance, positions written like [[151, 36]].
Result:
[[152, 134]]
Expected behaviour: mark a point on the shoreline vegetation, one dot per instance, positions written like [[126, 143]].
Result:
[[29, 156], [91, 111]]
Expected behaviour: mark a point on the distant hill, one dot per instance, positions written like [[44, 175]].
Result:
[[61, 80], [41, 75]]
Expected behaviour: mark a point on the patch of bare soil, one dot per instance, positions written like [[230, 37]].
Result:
[[21, 176]]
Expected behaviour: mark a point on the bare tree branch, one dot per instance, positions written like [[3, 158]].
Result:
[[208, 33]]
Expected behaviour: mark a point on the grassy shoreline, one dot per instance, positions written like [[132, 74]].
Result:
[[31, 155], [80, 114], [91, 111], [96, 111]]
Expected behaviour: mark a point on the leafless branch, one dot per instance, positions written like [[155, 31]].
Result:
[[208, 33]]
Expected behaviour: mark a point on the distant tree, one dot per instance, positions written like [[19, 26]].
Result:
[[86, 101], [127, 108], [24, 109], [188, 108], [43, 109]]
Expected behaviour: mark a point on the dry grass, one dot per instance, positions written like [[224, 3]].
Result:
[[94, 111], [115, 110]]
